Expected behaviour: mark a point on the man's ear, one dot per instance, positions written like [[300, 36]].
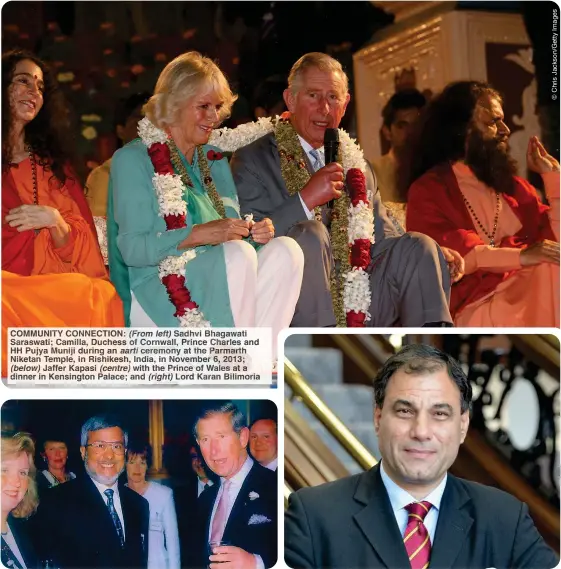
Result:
[[387, 133], [289, 99], [347, 99], [377, 416], [83, 452], [464, 426], [244, 437]]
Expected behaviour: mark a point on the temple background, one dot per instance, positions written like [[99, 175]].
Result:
[[104, 51]]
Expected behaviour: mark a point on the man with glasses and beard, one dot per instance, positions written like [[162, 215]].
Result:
[[465, 194], [93, 521]]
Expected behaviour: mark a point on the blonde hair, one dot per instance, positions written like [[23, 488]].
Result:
[[183, 78], [14, 446], [315, 60]]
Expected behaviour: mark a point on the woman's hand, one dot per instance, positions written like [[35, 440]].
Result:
[[216, 232], [26, 217], [542, 252], [263, 231], [456, 264], [537, 158]]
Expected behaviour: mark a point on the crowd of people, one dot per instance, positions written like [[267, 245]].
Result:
[[204, 245], [109, 514], [195, 239]]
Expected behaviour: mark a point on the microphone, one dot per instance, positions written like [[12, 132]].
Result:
[[331, 149]]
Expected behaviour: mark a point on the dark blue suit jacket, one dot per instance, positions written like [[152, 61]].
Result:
[[252, 524], [350, 524], [76, 529], [20, 528]]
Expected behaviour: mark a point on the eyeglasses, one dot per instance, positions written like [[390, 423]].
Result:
[[100, 446]]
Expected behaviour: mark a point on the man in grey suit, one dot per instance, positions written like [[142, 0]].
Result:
[[409, 273]]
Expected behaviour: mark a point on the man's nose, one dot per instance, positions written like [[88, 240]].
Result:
[[421, 429], [503, 129], [108, 450], [323, 105]]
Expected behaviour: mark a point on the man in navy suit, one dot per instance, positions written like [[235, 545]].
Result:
[[93, 521], [239, 513], [408, 511]]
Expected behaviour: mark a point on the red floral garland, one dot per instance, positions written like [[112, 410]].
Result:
[[360, 249], [175, 284]]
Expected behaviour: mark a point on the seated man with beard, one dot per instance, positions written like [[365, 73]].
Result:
[[465, 194]]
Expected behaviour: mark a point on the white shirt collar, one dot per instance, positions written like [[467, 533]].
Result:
[[273, 464], [239, 477], [308, 147], [201, 485], [101, 488], [399, 498]]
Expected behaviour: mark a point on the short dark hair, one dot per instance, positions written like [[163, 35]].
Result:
[[406, 99], [237, 418], [420, 359], [140, 448], [269, 92], [126, 107]]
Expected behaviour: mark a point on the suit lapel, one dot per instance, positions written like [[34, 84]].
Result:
[[377, 520], [453, 525], [276, 170], [206, 501], [237, 514], [99, 514], [131, 519]]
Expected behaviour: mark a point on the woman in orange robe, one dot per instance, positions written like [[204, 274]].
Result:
[[52, 270]]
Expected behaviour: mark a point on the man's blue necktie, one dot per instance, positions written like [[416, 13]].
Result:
[[318, 162], [115, 516]]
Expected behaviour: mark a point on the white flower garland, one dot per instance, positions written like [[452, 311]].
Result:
[[170, 190], [357, 294]]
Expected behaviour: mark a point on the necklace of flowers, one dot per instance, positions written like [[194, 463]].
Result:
[[352, 223], [172, 189]]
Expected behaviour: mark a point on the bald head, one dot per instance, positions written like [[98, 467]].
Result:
[[263, 441]]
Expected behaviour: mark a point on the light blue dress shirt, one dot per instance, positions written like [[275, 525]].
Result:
[[399, 498]]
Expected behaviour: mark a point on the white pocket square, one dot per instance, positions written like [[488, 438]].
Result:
[[258, 519]]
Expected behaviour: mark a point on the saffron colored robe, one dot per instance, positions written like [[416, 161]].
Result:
[[47, 286], [496, 290]]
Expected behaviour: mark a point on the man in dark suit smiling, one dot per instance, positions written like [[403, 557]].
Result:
[[240, 513], [92, 521], [408, 511]]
